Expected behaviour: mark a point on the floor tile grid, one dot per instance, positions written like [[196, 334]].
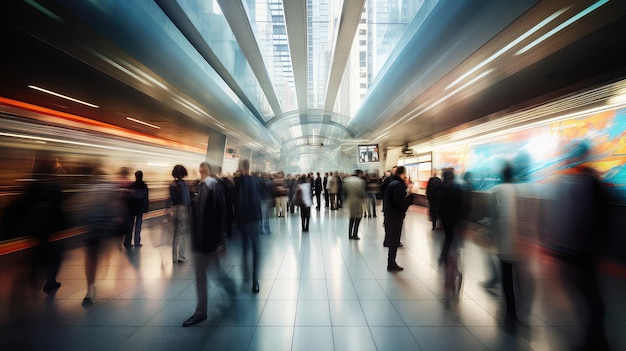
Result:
[[360, 266]]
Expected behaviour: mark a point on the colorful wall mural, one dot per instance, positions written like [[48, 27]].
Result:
[[537, 153]]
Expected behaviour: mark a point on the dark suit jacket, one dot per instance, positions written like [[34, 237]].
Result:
[[208, 216], [250, 194], [318, 185]]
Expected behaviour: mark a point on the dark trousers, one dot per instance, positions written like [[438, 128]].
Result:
[[47, 258], [290, 204], [202, 261], [136, 219], [228, 225], [448, 226], [305, 216], [432, 211], [372, 204], [580, 275], [333, 201], [318, 199], [250, 238], [353, 228], [325, 198], [508, 289], [393, 230]]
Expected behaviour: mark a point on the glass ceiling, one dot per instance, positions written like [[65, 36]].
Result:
[[383, 28], [208, 19], [382, 25], [268, 23]]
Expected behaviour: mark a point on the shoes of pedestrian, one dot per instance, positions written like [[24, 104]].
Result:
[[400, 244], [394, 268], [49, 286], [193, 320], [91, 293], [356, 238], [138, 245], [255, 287], [128, 246], [385, 245]]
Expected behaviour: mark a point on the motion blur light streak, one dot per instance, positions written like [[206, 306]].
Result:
[[63, 96], [474, 80], [509, 46], [78, 143], [142, 122], [44, 10], [561, 26], [121, 68], [69, 120]]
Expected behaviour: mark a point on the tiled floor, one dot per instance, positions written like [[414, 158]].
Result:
[[319, 291]]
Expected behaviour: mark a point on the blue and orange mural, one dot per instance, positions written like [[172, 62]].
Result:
[[536, 153]]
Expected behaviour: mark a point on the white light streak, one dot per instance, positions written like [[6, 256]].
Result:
[[508, 46], [561, 26], [62, 96], [142, 122]]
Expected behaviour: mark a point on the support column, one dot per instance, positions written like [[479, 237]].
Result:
[[216, 147]]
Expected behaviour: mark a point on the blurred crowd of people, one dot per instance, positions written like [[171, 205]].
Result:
[[572, 225]]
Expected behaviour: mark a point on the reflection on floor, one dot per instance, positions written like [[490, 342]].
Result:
[[319, 291]]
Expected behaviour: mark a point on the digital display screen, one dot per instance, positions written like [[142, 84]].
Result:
[[368, 154]]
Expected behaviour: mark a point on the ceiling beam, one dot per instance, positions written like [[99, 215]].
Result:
[[348, 24], [186, 27], [296, 20], [239, 23]]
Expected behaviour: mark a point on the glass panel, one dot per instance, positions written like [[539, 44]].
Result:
[[208, 19], [167, 41], [267, 19], [322, 24], [383, 27]]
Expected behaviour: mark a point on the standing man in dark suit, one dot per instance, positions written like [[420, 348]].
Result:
[[397, 200], [207, 234], [318, 190], [324, 184], [138, 206], [383, 187], [250, 195], [432, 194], [450, 210]]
